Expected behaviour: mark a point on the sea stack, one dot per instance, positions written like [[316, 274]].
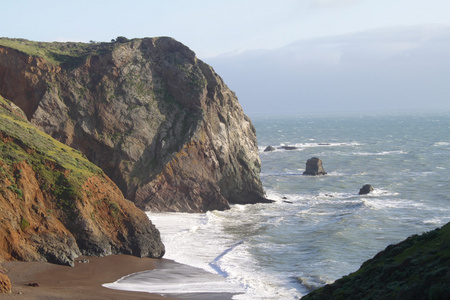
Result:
[[367, 188], [314, 167]]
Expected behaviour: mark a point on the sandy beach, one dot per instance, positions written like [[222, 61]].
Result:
[[84, 281]]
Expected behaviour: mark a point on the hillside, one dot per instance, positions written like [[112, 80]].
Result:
[[417, 268], [157, 120], [55, 205]]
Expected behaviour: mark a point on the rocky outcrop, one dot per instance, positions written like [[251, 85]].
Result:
[[55, 205], [366, 189], [269, 149], [314, 167], [416, 268], [160, 123], [5, 284]]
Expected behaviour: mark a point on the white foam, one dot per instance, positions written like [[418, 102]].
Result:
[[175, 279], [383, 204], [441, 144], [335, 173], [302, 146], [183, 236], [433, 221], [382, 153], [378, 192]]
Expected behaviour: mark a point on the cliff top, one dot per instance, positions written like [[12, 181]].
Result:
[[68, 54]]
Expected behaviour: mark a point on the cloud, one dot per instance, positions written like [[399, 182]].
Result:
[[391, 68]]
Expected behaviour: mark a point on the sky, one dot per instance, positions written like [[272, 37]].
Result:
[[287, 56]]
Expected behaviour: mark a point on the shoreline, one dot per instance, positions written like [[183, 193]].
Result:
[[83, 281], [86, 279]]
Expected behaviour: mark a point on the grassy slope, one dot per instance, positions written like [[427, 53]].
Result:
[[60, 168], [54, 202], [417, 268]]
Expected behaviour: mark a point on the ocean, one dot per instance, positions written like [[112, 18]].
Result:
[[320, 228]]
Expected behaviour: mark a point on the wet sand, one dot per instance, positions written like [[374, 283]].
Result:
[[84, 281]]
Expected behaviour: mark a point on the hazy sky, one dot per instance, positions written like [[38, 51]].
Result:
[[278, 56]]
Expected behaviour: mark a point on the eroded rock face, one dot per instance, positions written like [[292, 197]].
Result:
[[160, 123], [5, 284], [55, 205]]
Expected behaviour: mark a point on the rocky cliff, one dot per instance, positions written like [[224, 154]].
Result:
[[55, 205], [159, 122], [417, 268]]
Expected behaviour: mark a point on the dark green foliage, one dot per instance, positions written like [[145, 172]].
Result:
[[121, 39], [417, 268], [66, 196]]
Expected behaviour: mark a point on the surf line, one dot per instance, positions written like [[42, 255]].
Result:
[[215, 263]]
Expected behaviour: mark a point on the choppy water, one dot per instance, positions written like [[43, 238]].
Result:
[[319, 228]]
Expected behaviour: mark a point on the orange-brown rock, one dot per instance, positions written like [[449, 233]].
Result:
[[5, 284], [158, 121], [55, 205]]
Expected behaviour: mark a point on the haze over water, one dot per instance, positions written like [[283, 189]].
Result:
[[319, 229]]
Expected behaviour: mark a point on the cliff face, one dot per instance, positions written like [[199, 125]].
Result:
[[55, 205], [160, 123]]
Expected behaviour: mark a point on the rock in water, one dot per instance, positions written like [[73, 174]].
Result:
[[367, 188], [5, 284], [288, 148], [269, 149], [314, 167], [159, 122]]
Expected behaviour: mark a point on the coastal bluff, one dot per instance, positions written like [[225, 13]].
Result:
[[55, 205], [156, 119], [416, 268]]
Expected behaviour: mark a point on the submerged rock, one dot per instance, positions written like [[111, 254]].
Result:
[[288, 148], [314, 167], [367, 188]]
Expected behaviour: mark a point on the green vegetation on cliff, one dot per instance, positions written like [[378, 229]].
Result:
[[61, 169], [56, 205], [17, 127], [65, 54], [417, 268]]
